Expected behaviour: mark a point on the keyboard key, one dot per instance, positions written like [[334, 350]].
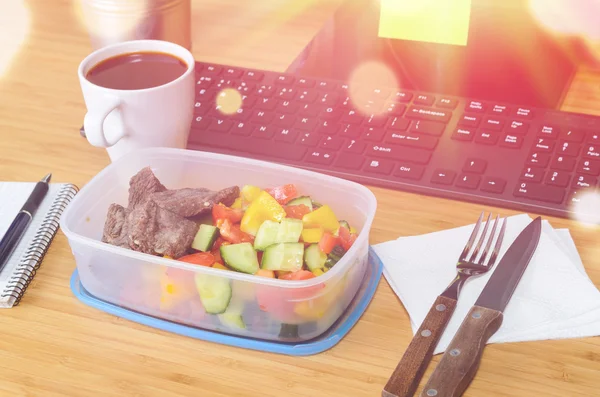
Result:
[[524, 113], [264, 131], [201, 108], [220, 125], [518, 127], [558, 178], [401, 96], [544, 145], [493, 185], [242, 128], [286, 93], [373, 93], [384, 167], [320, 157], [201, 123], [373, 134], [288, 107], [328, 99], [255, 76], [250, 145], [589, 167], [421, 113], [493, 123], [409, 171], [500, 110], [331, 142], [306, 123], [412, 140], [447, 103], [399, 153], [469, 120], [286, 135], [548, 131], [353, 117], [394, 109], [486, 137], [468, 181], [265, 90], [563, 163], [233, 73], [306, 96], [330, 113], [570, 135], [327, 128], [428, 127], [284, 120], [348, 161], [568, 148], [539, 159], [284, 80], [398, 123], [592, 151], [463, 134], [350, 130], [204, 82], [262, 117], [512, 141], [594, 137], [475, 106], [443, 177], [539, 192], [375, 121], [476, 166], [584, 181], [425, 100], [322, 84], [212, 70], [532, 174], [309, 138], [265, 103], [354, 146], [305, 83]]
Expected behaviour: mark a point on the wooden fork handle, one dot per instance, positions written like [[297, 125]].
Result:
[[407, 375]]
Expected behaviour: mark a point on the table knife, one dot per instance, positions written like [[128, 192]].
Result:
[[461, 359]]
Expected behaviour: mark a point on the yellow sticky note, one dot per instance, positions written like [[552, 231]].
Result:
[[433, 21]]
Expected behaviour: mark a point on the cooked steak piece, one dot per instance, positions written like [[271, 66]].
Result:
[[141, 186], [190, 202], [116, 226], [154, 230]]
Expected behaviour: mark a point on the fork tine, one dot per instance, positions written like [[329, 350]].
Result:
[[467, 248], [486, 250], [481, 240], [498, 245]]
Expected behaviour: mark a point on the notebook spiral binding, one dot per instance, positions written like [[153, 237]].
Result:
[[32, 259]]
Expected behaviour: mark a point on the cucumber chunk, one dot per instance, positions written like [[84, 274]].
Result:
[[290, 230], [271, 232], [302, 200], [232, 317], [205, 238], [288, 331], [314, 257], [283, 257], [240, 257], [214, 291], [336, 253], [345, 224]]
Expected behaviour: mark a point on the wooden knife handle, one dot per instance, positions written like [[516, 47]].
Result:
[[407, 375], [460, 361]]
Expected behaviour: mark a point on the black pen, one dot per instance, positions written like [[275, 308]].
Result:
[[17, 229]]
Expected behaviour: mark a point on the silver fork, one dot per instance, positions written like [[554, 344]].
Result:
[[406, 377]]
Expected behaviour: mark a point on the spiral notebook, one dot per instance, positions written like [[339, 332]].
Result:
[[27, 256]]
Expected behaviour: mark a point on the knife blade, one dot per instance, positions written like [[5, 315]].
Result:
[[461, 360]]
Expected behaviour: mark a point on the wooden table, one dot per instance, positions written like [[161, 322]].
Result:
[[51, 345]]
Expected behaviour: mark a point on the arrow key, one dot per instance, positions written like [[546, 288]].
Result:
[[493, 185], [443, 177], [468, 181], [476, 166]]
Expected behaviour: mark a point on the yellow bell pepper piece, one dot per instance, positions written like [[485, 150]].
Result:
[[263, 208], [352, 230], [250, 193], [318, 272], [237, 203], [312, 235], [321, 217], [175, 288], [217, 265]]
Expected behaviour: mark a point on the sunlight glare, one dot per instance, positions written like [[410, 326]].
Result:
[[14, 28], [587, 209], [229, 101], [110, 23], [563, 17], [366, 77]]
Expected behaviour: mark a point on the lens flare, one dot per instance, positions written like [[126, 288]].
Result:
[[568, 17], [14, 28], [586, 207], [369, 85], [229, 101], [114, 20]]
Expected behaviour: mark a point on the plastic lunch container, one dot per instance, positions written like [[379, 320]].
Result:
[[264, 308]]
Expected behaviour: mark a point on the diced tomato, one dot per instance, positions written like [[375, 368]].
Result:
[[283, 193], [298, 275], [199, 258], [221, 211], [296, 211], [232, 233], [259, 256], [346, 238], [217, 254], [327, 242]]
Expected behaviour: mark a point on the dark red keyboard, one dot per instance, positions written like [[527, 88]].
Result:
[[498, 154]]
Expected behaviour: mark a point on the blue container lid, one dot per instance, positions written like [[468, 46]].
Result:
[[326, 341]]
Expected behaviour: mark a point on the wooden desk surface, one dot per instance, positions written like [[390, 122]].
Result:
[[51, 345]]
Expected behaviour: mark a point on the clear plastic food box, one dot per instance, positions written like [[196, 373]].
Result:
[[270, 309]]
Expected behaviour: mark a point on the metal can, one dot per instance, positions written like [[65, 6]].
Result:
[[114, 21]]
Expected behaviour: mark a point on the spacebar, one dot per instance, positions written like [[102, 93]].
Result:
[[206, 140]]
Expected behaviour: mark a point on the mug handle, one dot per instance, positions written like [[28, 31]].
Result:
[[93, 124]]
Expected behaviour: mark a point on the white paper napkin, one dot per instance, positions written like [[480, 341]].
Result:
[[555, 298]]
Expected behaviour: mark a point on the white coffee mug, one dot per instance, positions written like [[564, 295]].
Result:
[[126, 120]]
